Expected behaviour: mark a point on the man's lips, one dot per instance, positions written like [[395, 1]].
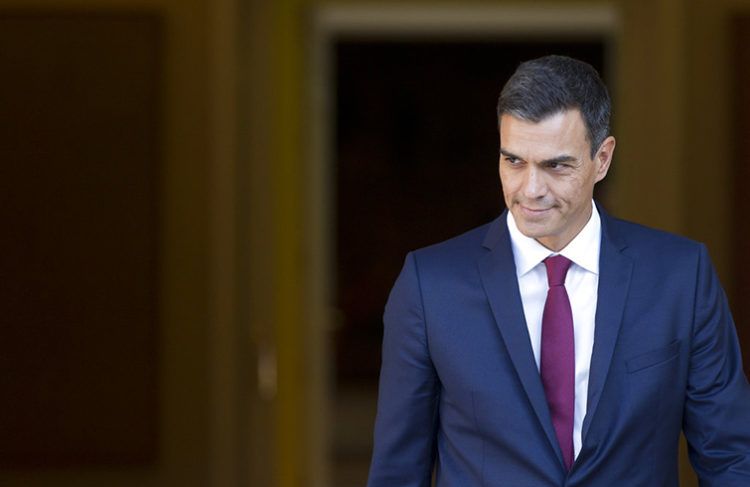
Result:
[[533, 211]]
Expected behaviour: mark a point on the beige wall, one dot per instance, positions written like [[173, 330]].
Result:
[[185, 312]]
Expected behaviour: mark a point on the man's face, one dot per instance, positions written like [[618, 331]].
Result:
[[548, 175]]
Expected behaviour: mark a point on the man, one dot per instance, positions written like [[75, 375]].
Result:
[[557, 345]]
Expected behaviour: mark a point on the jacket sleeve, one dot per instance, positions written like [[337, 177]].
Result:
[[405, 426], [717, 407]]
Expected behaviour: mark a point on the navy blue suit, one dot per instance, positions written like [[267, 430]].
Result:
[[460, 391]]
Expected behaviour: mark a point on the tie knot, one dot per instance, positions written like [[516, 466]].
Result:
[[557, 267]]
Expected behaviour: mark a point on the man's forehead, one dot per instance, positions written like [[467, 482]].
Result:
[[560, 133]]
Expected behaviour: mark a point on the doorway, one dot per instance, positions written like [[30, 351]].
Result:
[[407, 156]]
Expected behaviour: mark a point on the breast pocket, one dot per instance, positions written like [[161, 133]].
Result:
[[654, 384], [653, 358], [653, 403]]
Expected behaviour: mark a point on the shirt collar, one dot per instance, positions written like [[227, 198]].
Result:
[[583, 250]]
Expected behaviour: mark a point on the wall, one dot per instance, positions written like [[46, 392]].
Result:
[[183, 284]]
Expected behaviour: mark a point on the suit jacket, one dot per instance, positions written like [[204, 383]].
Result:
[[460, 391]]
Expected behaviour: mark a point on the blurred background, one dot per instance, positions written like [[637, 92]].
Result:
[[204, 205]]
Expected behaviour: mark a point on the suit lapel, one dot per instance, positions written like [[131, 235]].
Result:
[[498, 273], [615, 271]]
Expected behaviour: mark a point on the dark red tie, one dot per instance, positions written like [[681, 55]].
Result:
[[558, 355]]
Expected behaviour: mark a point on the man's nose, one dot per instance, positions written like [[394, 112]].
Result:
[[534, 185]]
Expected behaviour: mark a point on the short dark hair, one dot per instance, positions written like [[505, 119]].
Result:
[[552, 84]]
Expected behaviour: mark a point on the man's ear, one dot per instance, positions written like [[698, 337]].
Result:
[[603, 157]]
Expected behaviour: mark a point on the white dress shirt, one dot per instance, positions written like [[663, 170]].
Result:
[[581, 283]]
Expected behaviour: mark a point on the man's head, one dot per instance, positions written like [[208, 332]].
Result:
[[553, 116]]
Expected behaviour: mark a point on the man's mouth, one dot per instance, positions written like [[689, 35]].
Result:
[[533, 211]]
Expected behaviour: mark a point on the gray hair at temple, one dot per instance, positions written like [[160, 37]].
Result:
[[552, 84]]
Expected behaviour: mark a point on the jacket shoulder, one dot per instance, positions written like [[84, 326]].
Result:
[[647, 241]]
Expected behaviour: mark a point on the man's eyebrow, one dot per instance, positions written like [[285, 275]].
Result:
[[509, 154], [559, 159], [555, 160]]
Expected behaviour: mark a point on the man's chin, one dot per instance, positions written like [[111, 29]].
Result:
[[531, 230]]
